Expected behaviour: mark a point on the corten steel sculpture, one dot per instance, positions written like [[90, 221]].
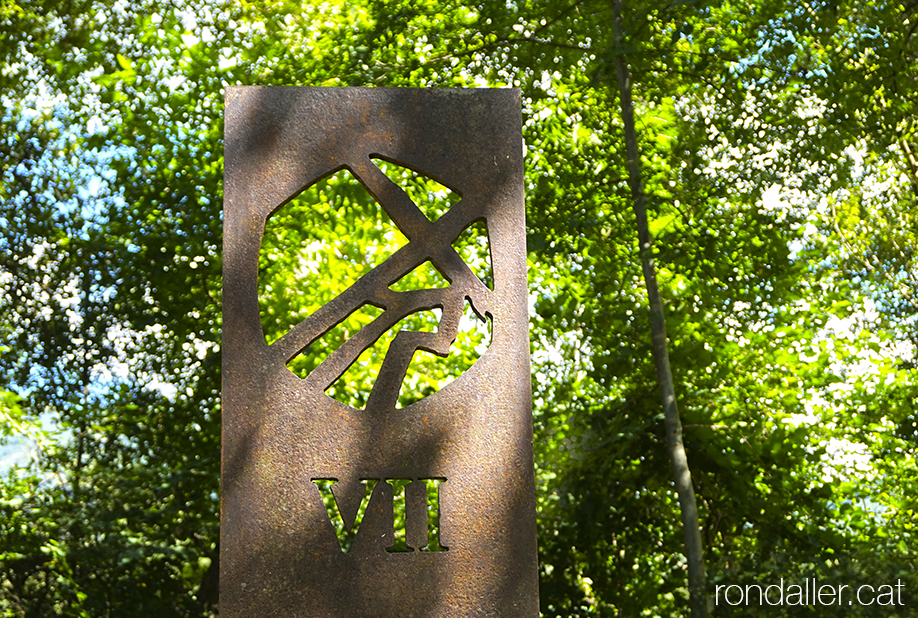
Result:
[[463, 453]]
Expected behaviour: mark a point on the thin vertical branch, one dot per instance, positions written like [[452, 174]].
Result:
[[681, 472]]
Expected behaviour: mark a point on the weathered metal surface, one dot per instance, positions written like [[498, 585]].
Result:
[[285, 440]]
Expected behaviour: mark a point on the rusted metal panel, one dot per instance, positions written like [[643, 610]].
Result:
[[466, 449]]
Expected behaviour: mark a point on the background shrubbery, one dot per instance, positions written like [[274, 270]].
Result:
[[779, 146]]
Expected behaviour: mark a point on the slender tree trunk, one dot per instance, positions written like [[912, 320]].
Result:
[[681, 473], [911, 162]]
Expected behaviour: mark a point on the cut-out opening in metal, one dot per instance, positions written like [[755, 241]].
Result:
[[431, 197], [474, 247], [399, 516], [345, 533], [425, 276], [315, 354], [322, 241], [434, 541], [354, 386], [428, 373], [317, 245]]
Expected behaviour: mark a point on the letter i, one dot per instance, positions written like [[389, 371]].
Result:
[[432, 487], [399, 543]]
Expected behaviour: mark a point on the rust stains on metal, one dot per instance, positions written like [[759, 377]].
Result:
[[458, 463]]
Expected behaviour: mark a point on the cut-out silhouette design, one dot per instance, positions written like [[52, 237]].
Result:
[[423, 258], [376, 409]]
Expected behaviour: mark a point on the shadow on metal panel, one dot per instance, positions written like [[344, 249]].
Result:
[[285, 441]]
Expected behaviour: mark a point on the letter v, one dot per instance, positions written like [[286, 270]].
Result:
[[345, 533]]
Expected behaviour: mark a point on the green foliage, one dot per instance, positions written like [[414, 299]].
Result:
[[792, 323], [323, 241], [317, 246]]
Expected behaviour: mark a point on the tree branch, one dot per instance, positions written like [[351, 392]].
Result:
[[673, 424]]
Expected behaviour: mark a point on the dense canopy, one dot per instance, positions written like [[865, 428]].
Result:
[[778, 149]]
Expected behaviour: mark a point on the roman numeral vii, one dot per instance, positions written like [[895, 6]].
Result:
[[347, 525]]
